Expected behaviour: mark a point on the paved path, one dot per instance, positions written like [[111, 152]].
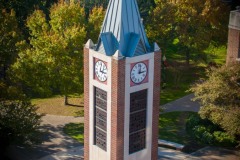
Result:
[[216, 153], [182, 104], [71, 154], [166, 154], [54, 140], [207, 153]]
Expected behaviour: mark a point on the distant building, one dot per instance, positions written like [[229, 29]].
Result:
[[233, 51]]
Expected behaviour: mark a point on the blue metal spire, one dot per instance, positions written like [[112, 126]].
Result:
[[123, 30]]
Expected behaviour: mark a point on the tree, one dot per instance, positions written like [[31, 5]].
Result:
[[54, 56], [95, 21], [201, 23], [10, 36], [24, 8], [145, 6], [161, 24], [195, 25], [219, 95]]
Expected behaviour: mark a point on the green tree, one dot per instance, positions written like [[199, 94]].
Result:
[[95, 21], [201, 23], [161, 24], [24, 8], [54, 56], [195, 25], [220, 98], [145, 6], [10, 36]]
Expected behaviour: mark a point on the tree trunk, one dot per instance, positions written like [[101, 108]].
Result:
[[187, 58], [65, 100]]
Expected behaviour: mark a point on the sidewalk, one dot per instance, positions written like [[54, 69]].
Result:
[[74, 153], [182, 104], [54, 139], [216, 153]]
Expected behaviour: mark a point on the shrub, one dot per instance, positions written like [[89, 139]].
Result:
[[19, 123], [208, 133], [192, 121], [202, 134], [224, 139], [219, 95]]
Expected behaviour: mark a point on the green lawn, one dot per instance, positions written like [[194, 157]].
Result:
[[55, 106], [180, 77], [178, 81], [75, 130], [172, 127]]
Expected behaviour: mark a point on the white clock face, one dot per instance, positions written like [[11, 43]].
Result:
[[101, 71], [139, 72]]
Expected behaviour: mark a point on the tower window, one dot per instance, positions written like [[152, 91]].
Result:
[[138, 119], [100, 118]]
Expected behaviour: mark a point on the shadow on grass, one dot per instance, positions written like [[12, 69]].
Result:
[[75, 130], [74, 105]]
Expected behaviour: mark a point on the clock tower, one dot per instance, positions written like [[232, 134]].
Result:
[[121, 88]]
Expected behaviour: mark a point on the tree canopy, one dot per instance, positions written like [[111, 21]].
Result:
[[219, 95], [195, 25], [10, 36], [54, 56]]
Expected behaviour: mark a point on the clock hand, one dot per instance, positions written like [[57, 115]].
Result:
[[139, 69], [101, 68], [142, 72]]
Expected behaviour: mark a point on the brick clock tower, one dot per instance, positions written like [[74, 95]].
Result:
[[121, 88], [233, 51]]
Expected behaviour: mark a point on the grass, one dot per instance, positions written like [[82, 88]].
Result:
[[172, 127], [75, 130], [55, 106], [180, 77], [217, 55]]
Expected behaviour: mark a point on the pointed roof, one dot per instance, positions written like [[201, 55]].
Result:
[[123, 30]]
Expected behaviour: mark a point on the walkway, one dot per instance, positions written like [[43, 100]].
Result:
[[54, 139], [182, 104], [207, 153]]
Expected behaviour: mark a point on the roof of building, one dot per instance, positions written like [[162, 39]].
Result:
[[122, 30]]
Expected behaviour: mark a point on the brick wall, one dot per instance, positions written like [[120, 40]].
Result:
[[86, 103], [156, 103], [117, 109], [233, 46]]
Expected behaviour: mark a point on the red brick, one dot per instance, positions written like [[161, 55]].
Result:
[[117, 109], [233, 46], [86, 103], [156, 102]]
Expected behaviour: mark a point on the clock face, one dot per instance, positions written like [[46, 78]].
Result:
[[139, 72], [101, 71]]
